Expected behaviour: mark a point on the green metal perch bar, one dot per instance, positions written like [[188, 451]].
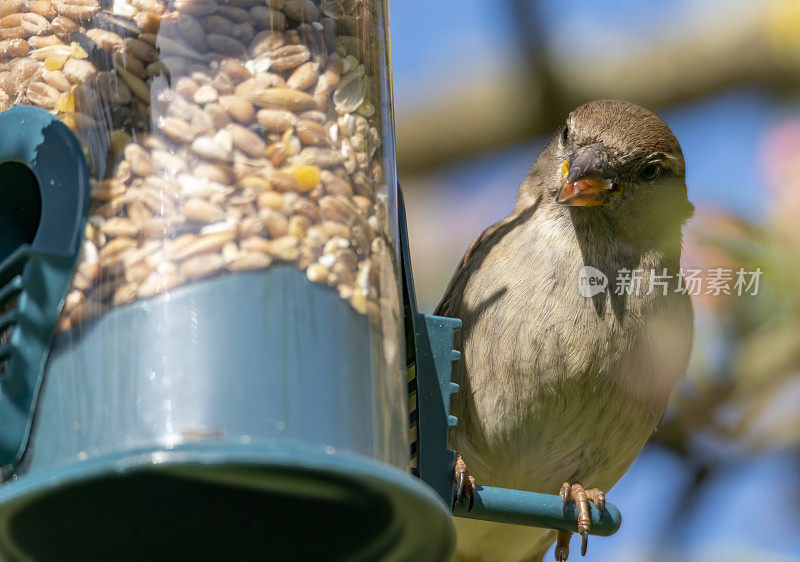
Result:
[[502, 505]]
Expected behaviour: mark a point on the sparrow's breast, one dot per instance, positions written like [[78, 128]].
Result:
[[575, 384]]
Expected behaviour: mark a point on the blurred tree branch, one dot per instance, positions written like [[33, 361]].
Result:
[[529, 24], [529, 99]]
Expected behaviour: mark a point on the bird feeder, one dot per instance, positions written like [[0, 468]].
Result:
[[208, 334]]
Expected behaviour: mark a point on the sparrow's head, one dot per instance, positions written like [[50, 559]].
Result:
[[616, 160]]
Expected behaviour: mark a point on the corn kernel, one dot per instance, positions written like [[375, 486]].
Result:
[[55, 62], [66, 103], [359, 301], [77, 51], [307, 176]]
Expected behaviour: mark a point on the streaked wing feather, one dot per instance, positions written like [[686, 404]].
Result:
[[485, 241]]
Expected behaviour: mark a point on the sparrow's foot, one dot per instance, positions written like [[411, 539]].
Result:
[[562, 546], [581, 497], [465, 484]]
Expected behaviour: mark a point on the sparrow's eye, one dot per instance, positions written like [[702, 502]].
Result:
[[565, 134], [650, 172]]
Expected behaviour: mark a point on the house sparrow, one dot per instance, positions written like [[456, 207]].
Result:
[[562, 383]]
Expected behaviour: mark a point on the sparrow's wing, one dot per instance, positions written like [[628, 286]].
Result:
[[469, 262], [477, 252]]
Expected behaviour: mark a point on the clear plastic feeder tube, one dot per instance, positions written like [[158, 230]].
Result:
[[224, 138]]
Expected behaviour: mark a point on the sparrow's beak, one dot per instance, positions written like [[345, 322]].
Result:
[[588, 178]]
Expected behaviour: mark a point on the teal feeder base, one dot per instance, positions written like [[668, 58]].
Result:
[[223, 501], [230, 419]]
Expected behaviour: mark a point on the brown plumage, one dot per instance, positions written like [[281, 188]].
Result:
[[558, 387]]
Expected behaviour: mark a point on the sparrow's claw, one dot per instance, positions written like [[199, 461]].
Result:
[[581, 497], [460, 478], [465, 483], [562, 546], [564, 493], [598, 498]]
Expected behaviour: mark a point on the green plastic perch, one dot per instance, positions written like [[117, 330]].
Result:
[[538, 510]]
